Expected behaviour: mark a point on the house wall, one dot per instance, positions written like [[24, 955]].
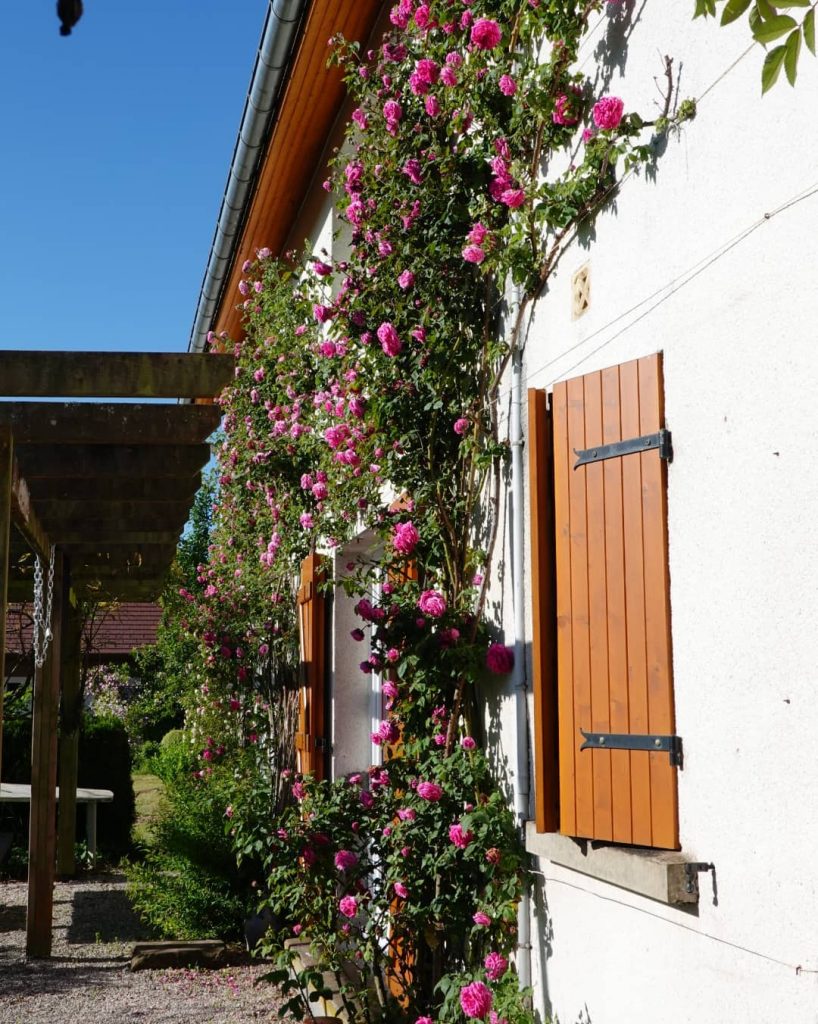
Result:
[[685, 261], [688, 262]]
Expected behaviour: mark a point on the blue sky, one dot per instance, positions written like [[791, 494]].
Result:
[[115, 145]]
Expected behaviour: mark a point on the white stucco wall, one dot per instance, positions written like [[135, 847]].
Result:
[[687, 263], [736, 319]]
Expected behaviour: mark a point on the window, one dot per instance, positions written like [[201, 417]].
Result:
[[601, 642]]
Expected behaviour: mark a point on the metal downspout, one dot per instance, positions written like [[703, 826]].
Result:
[[274, 52], [522, 775]]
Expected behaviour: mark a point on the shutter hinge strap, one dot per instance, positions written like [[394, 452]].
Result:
[[632, 446], [671, 745]]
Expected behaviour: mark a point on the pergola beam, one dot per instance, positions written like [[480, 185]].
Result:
[[113, 374], [92, 423], [134, 491], [92, 461]]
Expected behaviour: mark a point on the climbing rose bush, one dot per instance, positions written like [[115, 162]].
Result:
[[366, 398]]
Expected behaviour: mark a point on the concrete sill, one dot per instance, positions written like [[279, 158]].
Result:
[[658, 874]]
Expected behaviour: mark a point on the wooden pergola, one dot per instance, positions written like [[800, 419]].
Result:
[[109, 486]]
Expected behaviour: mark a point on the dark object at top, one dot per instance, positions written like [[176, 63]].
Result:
[[69, 12]]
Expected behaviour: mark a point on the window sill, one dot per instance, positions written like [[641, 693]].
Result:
[[658, 874]]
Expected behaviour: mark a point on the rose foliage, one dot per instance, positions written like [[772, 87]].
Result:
[[365, 396]]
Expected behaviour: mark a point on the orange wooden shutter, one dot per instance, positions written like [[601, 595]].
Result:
[[612, 608], [310, 739], [543, 644]]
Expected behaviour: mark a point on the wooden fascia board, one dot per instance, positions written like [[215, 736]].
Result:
[[312, 100]]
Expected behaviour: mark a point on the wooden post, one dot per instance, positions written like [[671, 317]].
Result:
[[42, 830], [70, 718], [6, 463]]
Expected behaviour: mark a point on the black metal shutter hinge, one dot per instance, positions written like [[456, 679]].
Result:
[[632, 446]]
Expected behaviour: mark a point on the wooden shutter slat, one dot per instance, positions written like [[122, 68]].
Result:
[[635, 606], [565, 693], [664, 810], [615, 580], [580, 617], [598, 612], [543, 638]]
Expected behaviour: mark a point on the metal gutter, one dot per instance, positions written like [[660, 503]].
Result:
[[277, 44]]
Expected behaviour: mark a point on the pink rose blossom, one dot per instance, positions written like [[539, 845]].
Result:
[[389, 339], [366, 799], [405, 538], [461, 426], [475, 1000], [481, 919], [607, 113], [512, 197], [507, 85], [429, 791], [448, 76], [348, 906], [458, 837], [298, 790], [345, 859], [297, 929], [473, 254], [499, 659], [493, 855], [485, 34], [406, 279], [407, 813], [496, 966], [477, 234], [432, 105], [562, 113], [432, 603], [389, 689], [468, 743], [422, 20], [424, 1020], [401, 890]]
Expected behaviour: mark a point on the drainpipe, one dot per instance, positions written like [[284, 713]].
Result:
[[522, 774], [275, 49]]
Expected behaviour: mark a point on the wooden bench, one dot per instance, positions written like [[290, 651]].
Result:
[[20, 793]]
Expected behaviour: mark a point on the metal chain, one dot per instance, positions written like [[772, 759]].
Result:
[[42, 622]]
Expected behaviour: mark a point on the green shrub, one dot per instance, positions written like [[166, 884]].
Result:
[[188, 885]]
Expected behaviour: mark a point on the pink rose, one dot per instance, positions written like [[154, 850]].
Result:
[[389, 339], [458, 837], [405, 538], [348, 906], [607, 113], [507, 85], [461, 426], [485, 34], [345, 859], [432, 105], [389, 690], [475, 999], [392, 111], [429, 791], [499, 659], [512, 197], [477, 233], [468, 743], [406, 279], [481, 919], [432, 603], [562, 113], [473, 254], [496, 966], [401, 890], [298, 790]]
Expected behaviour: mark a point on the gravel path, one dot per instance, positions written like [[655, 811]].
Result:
[[87, 980]]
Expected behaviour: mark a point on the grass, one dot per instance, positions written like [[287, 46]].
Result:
[[148, 790]]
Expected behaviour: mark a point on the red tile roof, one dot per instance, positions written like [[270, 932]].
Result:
[[130, 625]]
